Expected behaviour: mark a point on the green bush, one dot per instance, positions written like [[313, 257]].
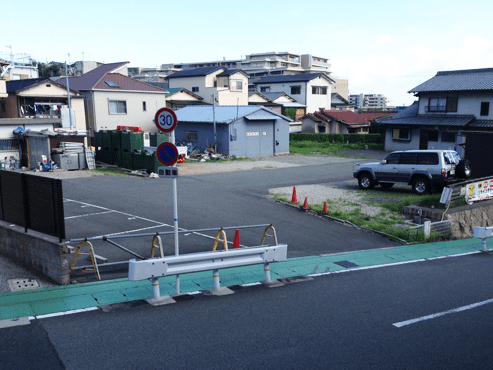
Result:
[[337, 138]]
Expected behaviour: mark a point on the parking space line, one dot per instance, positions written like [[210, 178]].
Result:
[[89, 214], [443, 313]]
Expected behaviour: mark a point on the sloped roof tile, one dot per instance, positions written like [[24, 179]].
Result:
[[196, 72], [460, 80], [291, 78], [88, 80]]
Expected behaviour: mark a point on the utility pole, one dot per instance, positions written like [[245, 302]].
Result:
[[68, 97], [214, 121]]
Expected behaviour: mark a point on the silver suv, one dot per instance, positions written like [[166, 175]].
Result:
[[422, 169]]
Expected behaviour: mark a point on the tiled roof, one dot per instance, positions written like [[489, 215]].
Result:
[[223, 113], [204, 71], [88, 80], [431, 120], [230, 72], [477, 123], [16, 85], [291, 78], [274, 95], [174, 90], [372, 116], [346, 116], [460, 80], [124, 83], [411, 111]]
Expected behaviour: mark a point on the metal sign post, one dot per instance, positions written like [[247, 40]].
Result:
[[167, 155]]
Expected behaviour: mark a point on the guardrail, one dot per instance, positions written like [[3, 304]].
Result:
[[153, 269]]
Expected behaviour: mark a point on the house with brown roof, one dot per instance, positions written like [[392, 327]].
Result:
[[339, 122], [113, 99]]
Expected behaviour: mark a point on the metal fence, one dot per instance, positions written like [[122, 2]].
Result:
[[442, 227], [33, 202]]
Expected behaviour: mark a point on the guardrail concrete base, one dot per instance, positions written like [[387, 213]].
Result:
[[218, 292], [272, 284], [161, 301]]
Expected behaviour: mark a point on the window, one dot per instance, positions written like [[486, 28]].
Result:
[[319, 90], [237, 85], [433, 135], [408, 158], [9, 144], [265, 89], [215, 83], [393, 158], [448, 137], [485, 108], [400, 134], [427, 158], [448, 104], [190, 136], [111, 84], [226, 82], [195, 89], [118, 107], [295, 90], [144, 106]]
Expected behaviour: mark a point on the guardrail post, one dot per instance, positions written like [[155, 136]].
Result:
[[267, 273], [483, 244], [215, 274], [155, 288]]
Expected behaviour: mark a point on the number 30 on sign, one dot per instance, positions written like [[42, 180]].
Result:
[[165, 120]]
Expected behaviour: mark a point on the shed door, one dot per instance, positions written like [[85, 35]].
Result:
[[253, 140], [267, 139]]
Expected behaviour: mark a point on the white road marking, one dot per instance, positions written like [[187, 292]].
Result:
[[89, 214], [63, 313], [435, 315]]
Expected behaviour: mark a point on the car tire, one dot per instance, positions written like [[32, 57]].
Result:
[[421, 186], [386, 185], [463, 169], [365, 181]]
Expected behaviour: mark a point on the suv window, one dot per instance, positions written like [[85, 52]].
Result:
[[427, 158], [408, 158], [393, 158]]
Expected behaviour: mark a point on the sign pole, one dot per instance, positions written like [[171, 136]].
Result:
[[175, 216]]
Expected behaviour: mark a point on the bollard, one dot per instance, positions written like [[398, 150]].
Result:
[[155, 288], [267, 273], [215, 274]]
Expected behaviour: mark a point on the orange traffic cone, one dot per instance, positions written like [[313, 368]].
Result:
[[305, 205], [236, 242], [294, 199], [326, 210]]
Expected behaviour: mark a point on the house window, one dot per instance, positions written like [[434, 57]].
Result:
[[190, 136], [485, 108], [400, 134], [319, 90], [237, 86], [226, 82], [448, 104], [144, 106], [215, 83], [433, 135], [195, 89], [265, 89], [295, 90], [448, 137], [118, 107]]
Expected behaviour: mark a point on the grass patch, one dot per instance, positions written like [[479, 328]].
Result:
[[328, 148], [110, 171]]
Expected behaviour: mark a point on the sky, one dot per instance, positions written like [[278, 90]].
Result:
[[381, 47]]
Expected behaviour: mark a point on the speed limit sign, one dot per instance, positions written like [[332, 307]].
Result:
[[165, 120]]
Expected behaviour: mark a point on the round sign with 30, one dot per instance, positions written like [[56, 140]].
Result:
[[165, 120]]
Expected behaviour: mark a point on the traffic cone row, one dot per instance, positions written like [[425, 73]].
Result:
[[294, 199]]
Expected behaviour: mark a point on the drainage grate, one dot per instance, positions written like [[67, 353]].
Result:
[[16, 285], [346, 264]]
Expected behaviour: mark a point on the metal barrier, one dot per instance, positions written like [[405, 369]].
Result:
[[483, 233], [153, 269], [156, 242], [93, 259]]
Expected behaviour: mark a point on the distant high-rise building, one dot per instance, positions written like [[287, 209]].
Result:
[[370, 101]]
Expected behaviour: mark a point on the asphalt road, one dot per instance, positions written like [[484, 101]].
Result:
[[352, 320], [137, 205]]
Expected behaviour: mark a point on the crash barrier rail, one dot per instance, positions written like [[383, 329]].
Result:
[[483, 233], [152, 269], [156, 243], [442, 227], [32, 202]]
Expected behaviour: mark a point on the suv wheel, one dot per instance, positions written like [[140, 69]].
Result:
[[365, 181], [421, 186], [463, 169]]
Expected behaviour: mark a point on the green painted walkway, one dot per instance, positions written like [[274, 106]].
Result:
[[81, 296]]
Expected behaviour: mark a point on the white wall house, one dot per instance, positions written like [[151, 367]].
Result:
[[230, 86], [449, 103], [312, 89]]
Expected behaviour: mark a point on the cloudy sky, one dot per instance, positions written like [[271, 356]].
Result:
[[385, 47]]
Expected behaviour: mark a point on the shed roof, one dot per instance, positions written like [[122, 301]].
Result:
[[460, 80], [225, 113], [16, 86], [305, 77]]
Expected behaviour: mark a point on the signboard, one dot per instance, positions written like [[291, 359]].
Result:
[[446, 195], [481, 190], [167, 154], [165, 172], [165, 120]]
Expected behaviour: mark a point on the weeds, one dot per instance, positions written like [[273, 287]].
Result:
[[328, 148]]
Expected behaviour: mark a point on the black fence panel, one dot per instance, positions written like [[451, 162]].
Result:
[[33, 202], [479, 151]]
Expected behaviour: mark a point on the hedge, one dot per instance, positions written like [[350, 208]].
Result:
[[337, 138]]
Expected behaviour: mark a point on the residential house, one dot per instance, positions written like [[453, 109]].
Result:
[[242, 131], [178, 98], [311, 89], [278, 102], [229, 86], [338, 122], [450, 103], [339, 102], [114, 99]]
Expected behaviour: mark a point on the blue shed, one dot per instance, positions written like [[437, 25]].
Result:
[[242, 131]]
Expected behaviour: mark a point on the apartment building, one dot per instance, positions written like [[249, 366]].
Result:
[[372, 101]]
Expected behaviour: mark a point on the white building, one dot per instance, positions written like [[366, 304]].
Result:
[[371, 101]]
